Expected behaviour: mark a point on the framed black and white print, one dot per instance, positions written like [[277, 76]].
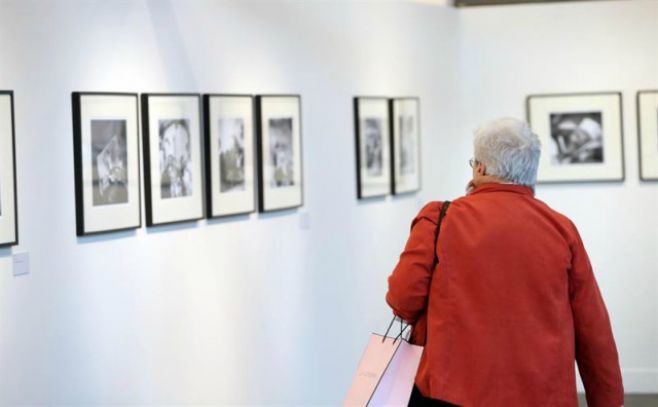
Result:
[[647, 129], [106, 157], [8, 207], [279, 152], [405, 144], [373, 158], [581, 136], [229, 147], [172, 158]]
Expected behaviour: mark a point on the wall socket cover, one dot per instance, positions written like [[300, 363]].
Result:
[[21, 264]]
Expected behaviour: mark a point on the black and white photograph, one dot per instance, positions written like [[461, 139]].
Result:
[[106, 157], [581, 135], [171, 128], [647, 133], [373, 129], [229, 142], [373, 146], [8, 200], [405, 144], [231, 154], [281, 157], [279, 152], [176, 174], [577, 138], [109, 158]]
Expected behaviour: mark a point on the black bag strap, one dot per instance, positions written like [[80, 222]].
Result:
[[442, 214]]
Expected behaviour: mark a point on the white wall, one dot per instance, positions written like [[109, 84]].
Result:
[[510, 52], [253, 310], [259, 310]]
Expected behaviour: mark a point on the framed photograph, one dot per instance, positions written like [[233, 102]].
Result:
[[106, 158], [581, 136], [373, 158], [229, 147], [279, 130], [647, 130], [172, 158], [405, 144], [8, 207]]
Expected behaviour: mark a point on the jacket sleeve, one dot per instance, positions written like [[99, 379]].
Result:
[[408, 286], [596, 352]]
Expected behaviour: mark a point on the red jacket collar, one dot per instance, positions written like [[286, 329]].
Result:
[[498, 187]]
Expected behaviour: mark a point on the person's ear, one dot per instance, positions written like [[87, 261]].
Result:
[[481, 169]]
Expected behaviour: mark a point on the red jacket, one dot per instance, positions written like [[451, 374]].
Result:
[[510, 307]]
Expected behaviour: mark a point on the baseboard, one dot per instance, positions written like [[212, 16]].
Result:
[[640, 380], [636, 381]]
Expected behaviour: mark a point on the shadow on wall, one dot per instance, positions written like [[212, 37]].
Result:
[[104, 237], [169, 39]]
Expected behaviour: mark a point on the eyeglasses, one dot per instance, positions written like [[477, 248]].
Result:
[[472, 162]]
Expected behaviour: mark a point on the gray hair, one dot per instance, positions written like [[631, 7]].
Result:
[[509, 150]]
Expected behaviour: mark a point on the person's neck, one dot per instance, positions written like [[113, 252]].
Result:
[[481, 180], [488, 179]]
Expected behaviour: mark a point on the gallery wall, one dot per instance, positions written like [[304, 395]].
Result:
[[510, 52], [257, 309], [276, 308]]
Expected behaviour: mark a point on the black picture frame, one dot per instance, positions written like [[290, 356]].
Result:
[[396, 188], [642, 136], [148, 160], [209, 171], [78, 153], [618, 111], [11, 113], [263, 204], [386, 144]]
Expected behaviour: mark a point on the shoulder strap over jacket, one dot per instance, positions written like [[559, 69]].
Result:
[[442, 214]]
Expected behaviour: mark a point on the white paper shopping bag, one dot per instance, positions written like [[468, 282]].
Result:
[[385, 375], [394, 388]]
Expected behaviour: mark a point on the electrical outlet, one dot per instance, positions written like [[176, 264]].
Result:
[[21, 264]]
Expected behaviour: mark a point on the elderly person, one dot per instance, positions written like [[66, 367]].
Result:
[[512, 301]]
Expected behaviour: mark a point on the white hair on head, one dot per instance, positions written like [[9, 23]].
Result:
[[509, 150]]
